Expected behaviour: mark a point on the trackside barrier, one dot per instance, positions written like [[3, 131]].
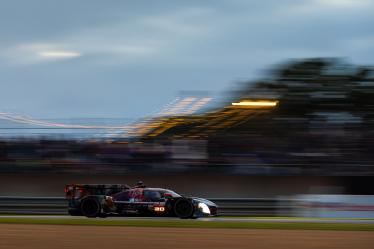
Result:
[[227, 206], [334, 206]]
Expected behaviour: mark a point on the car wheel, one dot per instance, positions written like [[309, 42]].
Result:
[[184, 208], [91, 207]]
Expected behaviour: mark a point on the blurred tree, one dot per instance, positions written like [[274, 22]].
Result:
[[324, 116]]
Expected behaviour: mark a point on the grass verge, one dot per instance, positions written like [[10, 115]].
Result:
[[193, 224]]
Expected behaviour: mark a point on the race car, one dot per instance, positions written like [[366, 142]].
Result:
[[94, 200]]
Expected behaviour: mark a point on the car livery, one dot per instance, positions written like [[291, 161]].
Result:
[[95, 200]]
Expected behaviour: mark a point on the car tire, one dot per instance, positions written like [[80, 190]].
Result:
[[184, 208], [91, 207]]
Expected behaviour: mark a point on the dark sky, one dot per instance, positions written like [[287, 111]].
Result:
[[64, 59]]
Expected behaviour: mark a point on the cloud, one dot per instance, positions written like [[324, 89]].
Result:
[[59, 54], [123, 41], [200, 35], [116, 51], [31, 53], [328, 7], [342, 3]]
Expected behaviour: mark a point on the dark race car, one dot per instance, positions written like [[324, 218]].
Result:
[[93, 200]]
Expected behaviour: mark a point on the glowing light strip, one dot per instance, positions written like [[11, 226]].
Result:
[[198, 105], [31, 121], [256, 103], [167, 107], [180, 106]]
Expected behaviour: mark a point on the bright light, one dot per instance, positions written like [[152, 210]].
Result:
[[59, 54], [31, 121], [254, 103], [159, 209], [204, 208]]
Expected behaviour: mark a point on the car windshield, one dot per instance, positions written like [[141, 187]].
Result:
[[151, 195], [158, 194], [172, 193]]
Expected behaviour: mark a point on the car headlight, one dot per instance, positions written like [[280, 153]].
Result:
[[203, 208]]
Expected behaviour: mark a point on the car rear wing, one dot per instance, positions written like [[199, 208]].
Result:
[[74, 191]]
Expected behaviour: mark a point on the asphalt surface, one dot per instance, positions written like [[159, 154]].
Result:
[[216, 219], [20, 236]]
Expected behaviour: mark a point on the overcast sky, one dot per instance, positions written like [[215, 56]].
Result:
[[63, 59]]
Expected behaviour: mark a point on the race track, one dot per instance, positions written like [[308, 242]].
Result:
[[21, 236], [63, 231], [210, 219]]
